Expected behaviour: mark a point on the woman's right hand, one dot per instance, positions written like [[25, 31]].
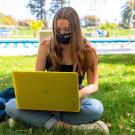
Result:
[[45, 44], [43, 52]]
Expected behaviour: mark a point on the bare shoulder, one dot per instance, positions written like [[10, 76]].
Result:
[[89, 44], [90, 48], [91, 56]]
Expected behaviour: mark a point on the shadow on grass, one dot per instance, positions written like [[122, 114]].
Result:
[[126, 59]]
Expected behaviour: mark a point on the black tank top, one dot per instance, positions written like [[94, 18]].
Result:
[[64, 68]]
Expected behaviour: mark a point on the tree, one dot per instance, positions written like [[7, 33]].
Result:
[[126, 14], [57, 4], [23, 22], [89, 20], [37, 8], [1, 18], [36, 25], [108, 27], [7, 19], [68, 2]]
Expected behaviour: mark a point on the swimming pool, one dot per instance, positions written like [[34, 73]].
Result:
[[113, 43], [34, 43], [30, 46], [19, 43]]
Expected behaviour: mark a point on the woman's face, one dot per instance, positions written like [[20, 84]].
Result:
[[62, 26], [63, 31]]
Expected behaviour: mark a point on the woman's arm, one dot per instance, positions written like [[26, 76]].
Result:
[[43, 52], [92, 87], [92, 75]]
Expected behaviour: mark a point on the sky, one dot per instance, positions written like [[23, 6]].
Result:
[[104, 9]]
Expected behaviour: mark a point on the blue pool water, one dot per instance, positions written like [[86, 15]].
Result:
[[99, 43], [19, 43], [111, 40]]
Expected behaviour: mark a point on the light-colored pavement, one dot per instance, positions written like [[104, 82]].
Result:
[[33, 51], [116, 51], [18, 51]]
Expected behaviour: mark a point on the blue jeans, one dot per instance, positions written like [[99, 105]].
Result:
[[91, 111]]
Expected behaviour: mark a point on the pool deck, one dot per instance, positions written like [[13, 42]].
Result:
[[18, 51], [33, 51]]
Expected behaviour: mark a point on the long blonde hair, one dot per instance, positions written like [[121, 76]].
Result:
[[79, 52]]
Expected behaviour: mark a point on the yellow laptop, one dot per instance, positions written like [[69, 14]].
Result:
[[51, 91]]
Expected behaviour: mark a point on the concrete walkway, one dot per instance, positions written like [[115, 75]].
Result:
[[33, 51], [18, 51], [116, 51]]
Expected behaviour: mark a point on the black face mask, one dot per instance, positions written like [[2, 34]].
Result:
[[63, 38]]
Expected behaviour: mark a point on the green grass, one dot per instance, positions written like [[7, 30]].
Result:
[[27, 32], [23, 32], [115, 33], [119, 33], [116, 91]]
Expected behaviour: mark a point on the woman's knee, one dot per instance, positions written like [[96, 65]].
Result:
[[97, 108], [11, 108], [91, 110], [94, 106]]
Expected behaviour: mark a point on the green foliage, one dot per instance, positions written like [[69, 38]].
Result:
[[37, 8], [36, 25], [7, 19], [108, 26], [90, 20], [126, 14]]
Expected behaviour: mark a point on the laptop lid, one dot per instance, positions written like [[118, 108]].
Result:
[[51, 91]]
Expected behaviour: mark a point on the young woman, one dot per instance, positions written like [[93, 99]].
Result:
[[66, 51]]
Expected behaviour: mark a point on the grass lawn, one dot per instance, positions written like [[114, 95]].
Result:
[[116, 91], [28, 32]]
